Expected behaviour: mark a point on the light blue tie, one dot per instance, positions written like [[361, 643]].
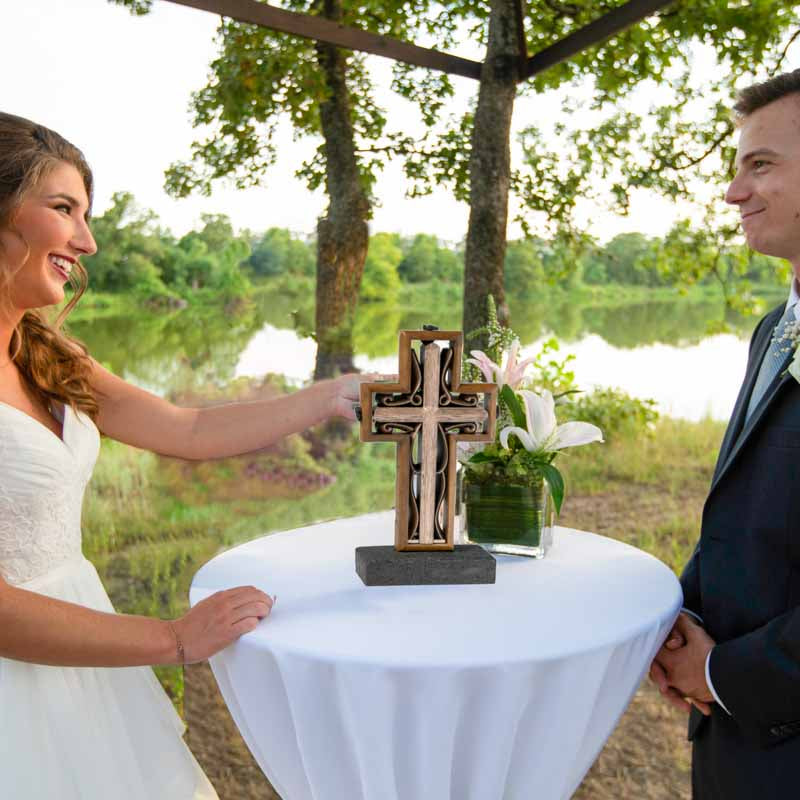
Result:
[[771, 363]]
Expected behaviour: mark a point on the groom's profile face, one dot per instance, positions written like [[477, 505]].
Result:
[[767, 183]]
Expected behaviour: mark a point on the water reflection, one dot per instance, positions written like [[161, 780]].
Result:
[[660, 350], [171, 352], [675, 322]]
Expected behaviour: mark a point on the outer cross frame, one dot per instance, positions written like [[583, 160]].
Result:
[[428, 403]]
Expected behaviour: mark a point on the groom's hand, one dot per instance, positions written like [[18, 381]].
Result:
[[680, 672], [658, 669]]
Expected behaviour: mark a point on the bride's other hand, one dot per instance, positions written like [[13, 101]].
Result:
[[348, 391], [219, 620]]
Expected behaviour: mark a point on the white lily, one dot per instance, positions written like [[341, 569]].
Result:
[[544, 434]]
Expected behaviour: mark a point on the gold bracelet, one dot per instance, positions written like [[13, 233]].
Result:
[[178, 644]]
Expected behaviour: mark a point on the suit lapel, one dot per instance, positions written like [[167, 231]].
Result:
[[739, 430]]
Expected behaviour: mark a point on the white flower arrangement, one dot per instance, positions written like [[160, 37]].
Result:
[[542, 433], [523, 451], [791, 335]]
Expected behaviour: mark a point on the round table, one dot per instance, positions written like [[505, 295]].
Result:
[[476, 692]]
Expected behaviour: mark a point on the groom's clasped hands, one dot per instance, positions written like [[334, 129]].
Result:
[[679, 668]]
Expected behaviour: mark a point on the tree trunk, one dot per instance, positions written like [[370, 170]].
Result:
[[489, 171], [342, 235]]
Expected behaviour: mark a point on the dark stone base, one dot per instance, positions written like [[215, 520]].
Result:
[[385, 566]]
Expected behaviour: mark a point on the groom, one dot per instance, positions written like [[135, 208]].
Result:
[[734, 657]]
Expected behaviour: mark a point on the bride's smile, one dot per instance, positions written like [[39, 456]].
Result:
[[48, 235]]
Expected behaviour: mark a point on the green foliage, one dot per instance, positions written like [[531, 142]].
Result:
[[524, 267], [514, 466], [424, 259], [509, 398], [679, 140], [134, 255], [138, 258], [614, 411], [381, 282], [551, 372], [130, 249], [211, 258], [277, 252], [261, 76], [682, 141], [677, 457], [624, 260], [689, 255]]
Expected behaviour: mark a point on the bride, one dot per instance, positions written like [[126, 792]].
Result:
[[81, 714]]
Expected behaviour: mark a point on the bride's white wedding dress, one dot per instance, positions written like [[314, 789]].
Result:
[[74, 733]]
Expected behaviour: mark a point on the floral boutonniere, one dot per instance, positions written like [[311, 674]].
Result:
[[790, 338]]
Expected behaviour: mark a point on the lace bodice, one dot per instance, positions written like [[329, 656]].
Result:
[[42, 481]]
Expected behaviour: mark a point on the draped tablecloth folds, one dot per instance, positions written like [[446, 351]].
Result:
[[474, 692]]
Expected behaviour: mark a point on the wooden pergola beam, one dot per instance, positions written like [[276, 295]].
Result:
[[324, 30], [595, 32]]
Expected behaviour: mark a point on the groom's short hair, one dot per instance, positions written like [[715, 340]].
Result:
[[758, 95]]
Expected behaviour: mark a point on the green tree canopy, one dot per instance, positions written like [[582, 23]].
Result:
[[425, 259], [130, 249], [277, 252], [381, 282]]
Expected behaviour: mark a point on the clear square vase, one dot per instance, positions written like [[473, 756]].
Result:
[[514, 520]]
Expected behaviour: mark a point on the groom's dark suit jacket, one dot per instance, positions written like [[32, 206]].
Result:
[[744, 582]]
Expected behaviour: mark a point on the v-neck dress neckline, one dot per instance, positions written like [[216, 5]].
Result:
[[61, 439]]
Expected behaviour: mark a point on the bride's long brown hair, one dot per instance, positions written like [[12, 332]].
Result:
[[56, 366]]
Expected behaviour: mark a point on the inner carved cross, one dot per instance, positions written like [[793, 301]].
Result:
[[429, 408]]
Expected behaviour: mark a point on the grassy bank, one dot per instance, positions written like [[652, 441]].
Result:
[[645, 490]]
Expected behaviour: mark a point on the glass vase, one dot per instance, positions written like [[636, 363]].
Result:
[[515, 520]]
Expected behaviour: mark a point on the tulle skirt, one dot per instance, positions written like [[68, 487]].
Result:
[[87, 733]]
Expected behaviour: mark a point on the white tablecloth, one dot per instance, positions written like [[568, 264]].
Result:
[[490, 692]]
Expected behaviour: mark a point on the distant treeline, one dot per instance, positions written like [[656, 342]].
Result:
[[136, 255]]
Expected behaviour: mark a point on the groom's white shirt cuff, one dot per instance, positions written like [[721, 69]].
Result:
[[708, 662], [711, 685], [692, 614]]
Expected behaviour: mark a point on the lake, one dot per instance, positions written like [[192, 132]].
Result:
[[661, 350]]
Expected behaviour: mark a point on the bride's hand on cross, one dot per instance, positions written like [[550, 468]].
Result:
[[347, 392]]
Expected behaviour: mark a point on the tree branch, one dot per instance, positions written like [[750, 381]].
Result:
[[782, 58], [693, 162]]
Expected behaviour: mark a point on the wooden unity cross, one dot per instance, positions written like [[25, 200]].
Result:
[[428, 411]]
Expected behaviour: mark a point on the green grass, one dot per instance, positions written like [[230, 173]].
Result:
[[647, 490], [675, 455]]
